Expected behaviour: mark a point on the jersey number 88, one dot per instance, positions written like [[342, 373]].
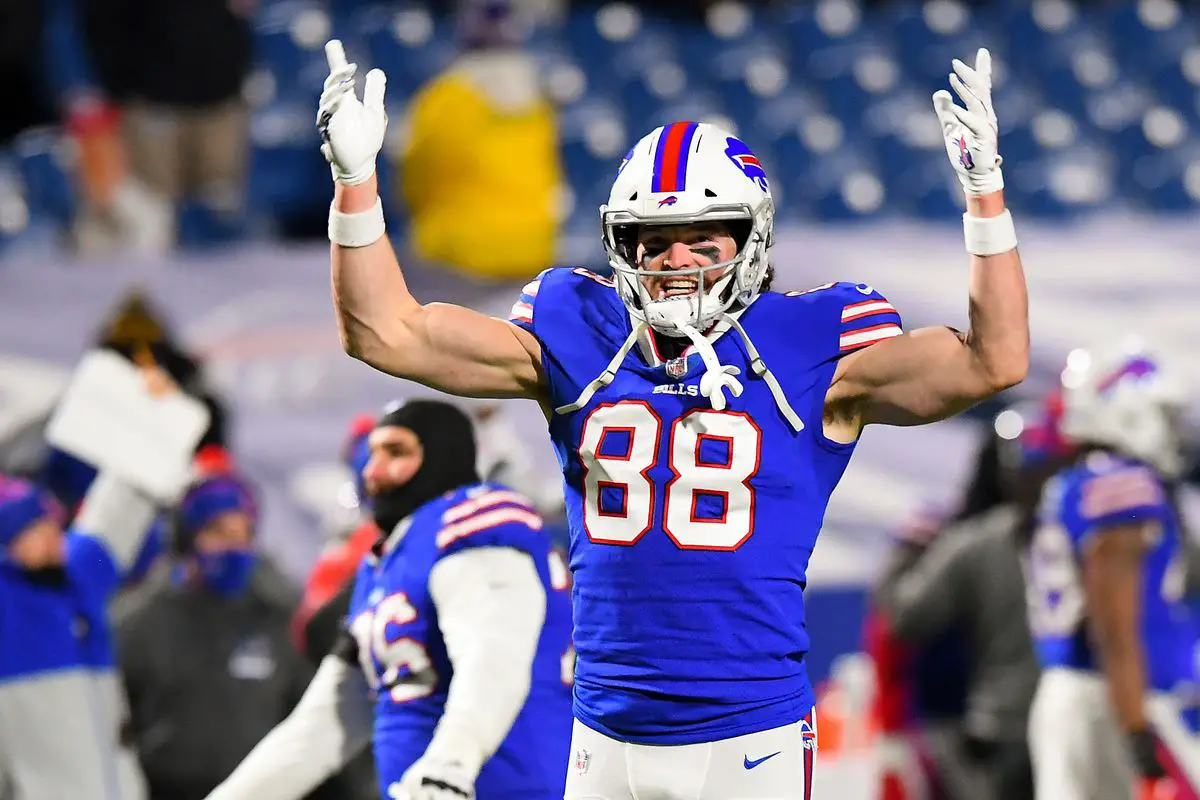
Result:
[[708, 503]]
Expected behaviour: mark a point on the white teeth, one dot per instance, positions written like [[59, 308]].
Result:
[[674, 287]]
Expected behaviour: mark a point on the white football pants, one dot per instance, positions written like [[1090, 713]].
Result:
[[775, 764], [1078, 749]]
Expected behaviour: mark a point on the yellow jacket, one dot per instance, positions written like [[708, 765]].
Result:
[[481, 182]]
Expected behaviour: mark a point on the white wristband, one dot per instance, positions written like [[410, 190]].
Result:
[[357, 230], [989, 236]]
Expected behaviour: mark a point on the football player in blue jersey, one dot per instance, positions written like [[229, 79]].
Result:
[[701, 422], [1104, 580], [456, 659]]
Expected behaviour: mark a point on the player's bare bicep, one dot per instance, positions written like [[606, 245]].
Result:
[[911, 379], [473, 354]]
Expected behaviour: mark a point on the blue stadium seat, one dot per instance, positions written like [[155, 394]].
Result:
[[1035, 29], [1146, 34], [833, 95], [1168, 180], [642, 96], [699, 106], [288, 176], [1062, 184], [49, 191], [289, 38], [820, 191], [408, 42], [927, 36], [807, 28]]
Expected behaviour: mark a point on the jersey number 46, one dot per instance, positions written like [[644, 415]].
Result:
[[708, 502]]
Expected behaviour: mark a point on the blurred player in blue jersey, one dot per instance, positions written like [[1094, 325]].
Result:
[[1105, 584], [456, 661], [701, 421]]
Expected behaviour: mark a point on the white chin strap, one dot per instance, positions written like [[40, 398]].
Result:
[[716, 379]]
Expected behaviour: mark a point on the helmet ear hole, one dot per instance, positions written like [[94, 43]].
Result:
[[709, 193]]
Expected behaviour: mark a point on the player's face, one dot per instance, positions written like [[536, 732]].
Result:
[[396, 455], [39, 546], [666, 248], [233, 530]]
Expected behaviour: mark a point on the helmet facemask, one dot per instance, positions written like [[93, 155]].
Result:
[[737, 280]]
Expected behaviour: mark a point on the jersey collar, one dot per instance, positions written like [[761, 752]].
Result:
[[387, 544], [649, 350]]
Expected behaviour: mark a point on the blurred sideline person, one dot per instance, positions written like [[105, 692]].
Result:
[[502, 457], [1105, 584], [505, 457], [205, 655], [457, 642], [320, 618], [963, 578], [185, 126], [62, 707], [326, 598], [139, 332], [480, 169]]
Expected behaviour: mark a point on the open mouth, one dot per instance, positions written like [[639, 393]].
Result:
[[676, 287]]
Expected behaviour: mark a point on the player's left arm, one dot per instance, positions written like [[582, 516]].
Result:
[[491, 606], [933, 373], [120, 516]]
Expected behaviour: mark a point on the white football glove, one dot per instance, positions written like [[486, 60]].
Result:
[[352, 130], [434, 779], [971, 132]]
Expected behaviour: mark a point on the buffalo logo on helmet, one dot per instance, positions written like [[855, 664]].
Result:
[[668, 201], [744, 159], [1136, 369]]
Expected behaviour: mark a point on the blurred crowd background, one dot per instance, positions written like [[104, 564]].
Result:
[[148, 123], [162, 193]]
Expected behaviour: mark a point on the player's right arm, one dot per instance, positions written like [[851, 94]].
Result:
[[329, 726], [446, 347], [1117, 516], [1112, 579]]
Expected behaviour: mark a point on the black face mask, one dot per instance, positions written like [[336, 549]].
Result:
[[448, 441], [49, 577]]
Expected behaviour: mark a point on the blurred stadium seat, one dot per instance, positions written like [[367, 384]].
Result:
[[1099, 103]]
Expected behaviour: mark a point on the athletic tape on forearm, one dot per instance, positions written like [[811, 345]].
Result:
[[989, 236], [359, 229]]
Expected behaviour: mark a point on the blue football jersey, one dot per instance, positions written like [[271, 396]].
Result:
[[394, 622], [692, 529], [51, 626], [1103, 491]]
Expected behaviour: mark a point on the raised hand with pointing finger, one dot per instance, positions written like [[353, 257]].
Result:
[[970, 129], [352, 130]]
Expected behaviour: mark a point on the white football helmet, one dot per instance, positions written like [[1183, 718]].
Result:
[[1127, 401], [682, 174]]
